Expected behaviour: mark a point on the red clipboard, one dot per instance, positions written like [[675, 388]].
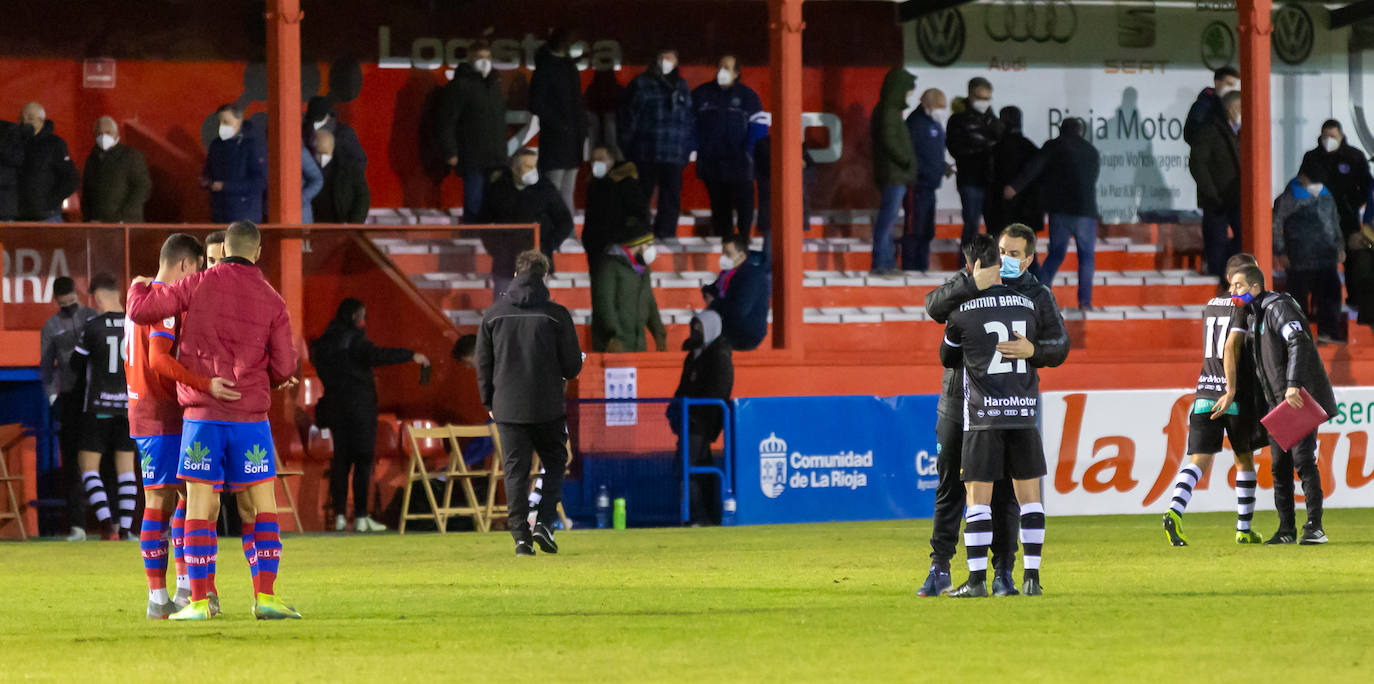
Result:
[[1288, 425]]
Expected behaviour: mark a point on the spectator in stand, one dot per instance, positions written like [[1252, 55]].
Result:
[[615, 205], [1069, 163], [1215, 164], [708, 372], [894, 163], [623, 297], [345, 360], [11, 160], [1359, 273], [520, 194], [742, 294], [320, 116], [729, 121], [115, 182], [312, 179], [926, 124], [235, 169], [472, 127], [971, 134], [1010, 156], [343, 197], [556, 101], [603, 99], [1309, 247], [47, 176], [1348, 180], [655, 130], [57, 341], [1208, 104]]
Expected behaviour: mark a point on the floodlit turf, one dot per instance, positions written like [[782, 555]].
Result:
[[788, 603]]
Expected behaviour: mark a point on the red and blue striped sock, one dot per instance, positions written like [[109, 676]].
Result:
[[179, 544], [268, 539], [250, 552], [152, 541], [201, 548]]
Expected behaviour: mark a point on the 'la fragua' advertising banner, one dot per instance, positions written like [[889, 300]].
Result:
[[1119, 452], [820, 459]]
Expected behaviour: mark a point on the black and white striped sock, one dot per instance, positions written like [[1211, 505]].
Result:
[[977, 539], [128, 501], [536, 495], [95, 494], [1183, 488], [1245, 499], [1032, 538]]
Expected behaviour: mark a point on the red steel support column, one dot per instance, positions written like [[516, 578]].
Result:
[[284, 110], [1255, 168], [785, 59]]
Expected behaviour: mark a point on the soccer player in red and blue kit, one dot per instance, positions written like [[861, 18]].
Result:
[[236, 327]]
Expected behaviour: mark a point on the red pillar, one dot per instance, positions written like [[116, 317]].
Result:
[[785, 52], [1255, 182], [284, 110]]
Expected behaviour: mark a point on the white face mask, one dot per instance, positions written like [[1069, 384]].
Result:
[[667, 66], [1314, 189], [576, 50], [724, 77], [105, 141], [324, 160], [726, 263], [320, 124], [650, 253], [1228, 88], [483, 67], [530, 178], [1235, 125], [941, 116], [1331, 144], [982, 106], [226, 131], [599, 169]]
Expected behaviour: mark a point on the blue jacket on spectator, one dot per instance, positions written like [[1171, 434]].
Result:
[[928, 138], [240, 163], [656, 125], [728, 123], [743, 295], [312, 179]]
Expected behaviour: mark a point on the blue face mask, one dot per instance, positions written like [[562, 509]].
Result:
[[1242, 299], [1011, 267]]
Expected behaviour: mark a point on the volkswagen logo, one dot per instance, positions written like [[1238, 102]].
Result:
[[1039, 20], [941, 37], [1293, 34]]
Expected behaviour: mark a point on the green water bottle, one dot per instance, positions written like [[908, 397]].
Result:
[[618, 514]]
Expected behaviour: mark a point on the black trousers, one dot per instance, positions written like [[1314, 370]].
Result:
[[704, 489], [1217, 244], [1319, 292], [1303, 458], [1359, 283], [67, 412], [667, 179], [520, 442], [732, 208], [355, 446], [950, 498]]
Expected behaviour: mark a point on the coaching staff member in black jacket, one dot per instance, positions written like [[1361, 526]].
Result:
[[1286, 362], [526, 352], [1017, 245]]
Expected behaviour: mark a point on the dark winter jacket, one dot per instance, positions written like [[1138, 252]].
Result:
[[344, 197], [743, 295], [1068, 166], [1307, 229], [556, 98], [970, 137], [1348, 179], [615, 206], [472, 120], [1215, 165], [729, 121], [47, 176], [656, 123], [1206, 109], [623, 305], [1051, 345], [539, 203], [240, 163], [115, 185], [894, 160], [928, 140], [344, 359], [11, 160], [526, 352], [1285, 355], [346, 143], [707, 375], [1010, 156]]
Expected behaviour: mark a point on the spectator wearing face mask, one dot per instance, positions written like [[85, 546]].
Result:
[[1308, 246], [1010, 156], [11, 159], [556, 100], [741, 294], [970, 136], [47, 176], [655, 132], [927, 127], [518, 194], [320, 116], [343, 195], [894, 163], [115, 184], [1208, 105], [1348, 180], [708, 372], [235, 169], [623, 304], [615, 205], [1215, 165], [729, 120], [472, 127]]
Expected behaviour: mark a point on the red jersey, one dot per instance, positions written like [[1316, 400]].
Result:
[[152, 372]]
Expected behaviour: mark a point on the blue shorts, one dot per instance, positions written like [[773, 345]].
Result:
[[237, 455], [157, 458]]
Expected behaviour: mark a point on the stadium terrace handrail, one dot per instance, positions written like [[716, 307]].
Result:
[[727, 491]]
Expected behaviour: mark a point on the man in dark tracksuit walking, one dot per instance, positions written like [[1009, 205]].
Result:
[[1049, 349], [1286, 363], [526, 352]]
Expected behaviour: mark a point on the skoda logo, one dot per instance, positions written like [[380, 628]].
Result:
[[1039, 20], [1218, 45], [941, 37], [1293, 34]]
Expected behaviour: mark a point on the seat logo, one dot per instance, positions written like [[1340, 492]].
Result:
[[941, 36], [1041, 21], [1293, 34]]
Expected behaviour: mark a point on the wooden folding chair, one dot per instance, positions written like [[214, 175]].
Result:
[[455, 471], [493, 510], [290, 507], [10, 437]]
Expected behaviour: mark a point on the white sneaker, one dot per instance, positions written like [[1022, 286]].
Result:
[[78, 534], [340, 523], [367, 524]]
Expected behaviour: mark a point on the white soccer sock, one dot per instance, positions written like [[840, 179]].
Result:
[[1183, 487], [1245, 499], [158, 595]]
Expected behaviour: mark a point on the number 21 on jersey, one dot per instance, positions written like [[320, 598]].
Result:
[[999, 366]]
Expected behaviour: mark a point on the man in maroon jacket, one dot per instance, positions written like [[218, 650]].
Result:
[[236, 327]]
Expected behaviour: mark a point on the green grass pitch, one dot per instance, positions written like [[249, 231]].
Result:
[[831, 602]]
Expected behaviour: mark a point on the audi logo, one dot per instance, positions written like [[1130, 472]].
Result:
[[1039, 20]]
